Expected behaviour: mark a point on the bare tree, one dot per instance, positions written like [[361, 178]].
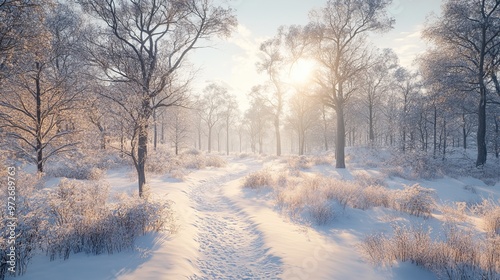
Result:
[[272, 62], [143, 43], [408, 88], [376, 81], [338, 33], [45, 88], [257, 119], [20, 28], [211, 108], [178, 127], [230, 112], [304, 114], [471, 26]]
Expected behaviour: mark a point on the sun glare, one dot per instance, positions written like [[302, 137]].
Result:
[[301, 71]]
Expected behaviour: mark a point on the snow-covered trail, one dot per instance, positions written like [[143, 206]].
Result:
[[230, 244]]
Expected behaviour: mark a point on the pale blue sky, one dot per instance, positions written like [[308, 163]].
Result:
[[232, 61]]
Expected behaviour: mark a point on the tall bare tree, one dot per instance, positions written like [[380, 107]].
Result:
[[338, 33], [143, 43], [272, 63], [45, 87], [304, 114], [472, 28], [376, 83], [211, 108]]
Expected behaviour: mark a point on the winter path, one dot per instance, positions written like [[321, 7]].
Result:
[[230, 244]]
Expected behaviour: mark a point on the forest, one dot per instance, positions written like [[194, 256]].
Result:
[[91, 86]]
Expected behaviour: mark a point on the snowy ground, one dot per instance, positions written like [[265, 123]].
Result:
[[227, 232]]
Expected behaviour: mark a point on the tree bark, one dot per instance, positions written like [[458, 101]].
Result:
[[278, 135], [464, 131], [481, 130], [39, 146], [209, 140], [340, 143], [142, 152], [155, 131]]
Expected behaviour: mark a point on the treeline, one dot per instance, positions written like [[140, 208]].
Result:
[[112, 75]]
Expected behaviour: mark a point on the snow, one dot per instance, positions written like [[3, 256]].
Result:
[[227, 232]]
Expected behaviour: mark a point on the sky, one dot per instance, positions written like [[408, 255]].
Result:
[[231, 61]]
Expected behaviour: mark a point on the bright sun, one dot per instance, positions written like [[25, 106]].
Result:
[[301, 71]]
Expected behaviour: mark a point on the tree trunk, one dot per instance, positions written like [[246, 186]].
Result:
[[340, 145], [497, 137], [325, 127], [199, 139], [122, 143], [435, 132], [445, 138], [278, 136], [227, 137], [209, 140], [142, 153], [155, 131], [464, 131], [481, 131], [372, 133], [39, 146]]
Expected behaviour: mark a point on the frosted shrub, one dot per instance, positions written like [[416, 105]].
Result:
[[365, 179], [459, 256], [489, 211], [84, 222], [376, 248], [31, 222], [322, 160], [259, 179], [159, 162], [78, 171], [345, 192], [193, 152], [298, 162], [455, 212], [321, 212], [215, 161], [375, 196], [415, 200]]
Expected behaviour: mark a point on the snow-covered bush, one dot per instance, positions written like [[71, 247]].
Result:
[[460, 255], [298, 163], [321, 211], [85, 222], [30, 223], [76, 216], [346, 193], [259, 179], [366, 179], [162, 162], [215, 161], [455, 212], [75, 171], [415, 200], [489, 211], [375, 196], [323, 160]]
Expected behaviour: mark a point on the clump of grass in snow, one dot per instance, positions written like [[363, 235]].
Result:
[[489, 211], [459, 256], [415, 200], [258, 180]]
